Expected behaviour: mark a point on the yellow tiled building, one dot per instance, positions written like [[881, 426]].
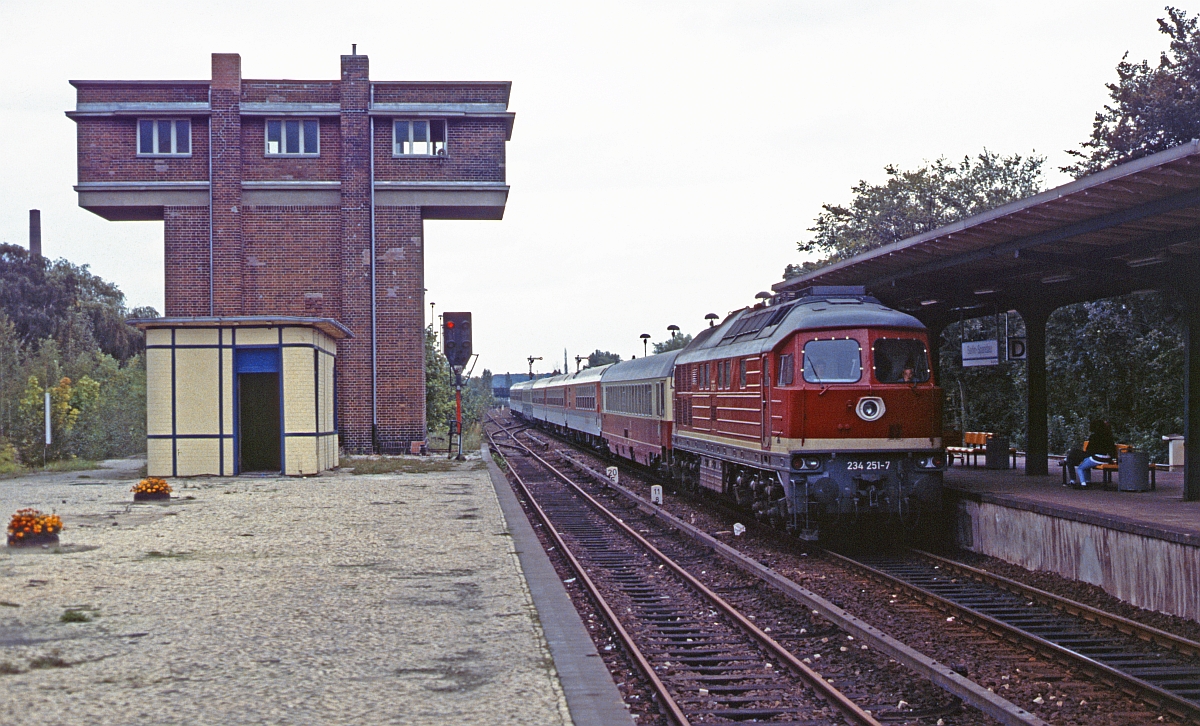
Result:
[[227, 396]]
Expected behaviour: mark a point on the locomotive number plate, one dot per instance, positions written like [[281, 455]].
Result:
[[868, 465]]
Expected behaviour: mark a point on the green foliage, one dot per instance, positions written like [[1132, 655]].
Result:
[[439, 389], [1152, 107], [601, 358], [439, 383], [675, 342], [63, 330], [477, 397], [916, 201]]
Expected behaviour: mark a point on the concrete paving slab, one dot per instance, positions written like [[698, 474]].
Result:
[[383, 599]]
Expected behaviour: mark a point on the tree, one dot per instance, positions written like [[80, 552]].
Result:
[[477, 398], [602, 358], [675, 342], [439, 383], [916, 201], [1152, 107]]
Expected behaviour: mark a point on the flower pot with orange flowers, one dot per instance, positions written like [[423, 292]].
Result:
[[33, 528], [151, 489]]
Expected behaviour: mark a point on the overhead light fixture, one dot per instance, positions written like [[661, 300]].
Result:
[[984, 292], [1147, 261], [930, 302], [1050, 280]]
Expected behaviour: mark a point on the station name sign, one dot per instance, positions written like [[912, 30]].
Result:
[[980, 353]]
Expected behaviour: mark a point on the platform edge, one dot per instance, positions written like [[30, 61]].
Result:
[[592, 696]]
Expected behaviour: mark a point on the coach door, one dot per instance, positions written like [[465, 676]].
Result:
[[764, 387]]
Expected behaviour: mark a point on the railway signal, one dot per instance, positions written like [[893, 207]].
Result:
[[456, 339], [456, 343]]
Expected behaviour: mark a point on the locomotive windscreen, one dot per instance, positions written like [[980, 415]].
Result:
[[832, 361], [901, 360]]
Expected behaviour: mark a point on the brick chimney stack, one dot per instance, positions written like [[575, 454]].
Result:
[[35, 233]]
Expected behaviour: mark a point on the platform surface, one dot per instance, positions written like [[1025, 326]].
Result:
[[1161, 513], [340, 599]]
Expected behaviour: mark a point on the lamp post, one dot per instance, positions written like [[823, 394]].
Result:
[[711, 318], [578, 359], [673, 329], [645, 339]]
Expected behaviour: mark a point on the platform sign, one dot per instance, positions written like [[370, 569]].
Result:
[[980, 353], [1017, 348]]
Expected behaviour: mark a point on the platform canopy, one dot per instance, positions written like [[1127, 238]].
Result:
[[1132, 227]]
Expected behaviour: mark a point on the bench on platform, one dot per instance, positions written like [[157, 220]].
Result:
[[1108, 469], [974, 443]]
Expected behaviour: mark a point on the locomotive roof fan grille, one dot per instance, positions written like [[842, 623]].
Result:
[[870, 408]]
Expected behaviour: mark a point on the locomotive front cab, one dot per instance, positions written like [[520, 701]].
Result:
[[867, 418]]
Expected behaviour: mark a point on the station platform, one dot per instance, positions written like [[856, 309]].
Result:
[[1142, 547], [413, 596]]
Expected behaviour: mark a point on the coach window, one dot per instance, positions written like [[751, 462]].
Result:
[[832, 361], [164, 137], [742, 373], [293, 137], [418, 137]]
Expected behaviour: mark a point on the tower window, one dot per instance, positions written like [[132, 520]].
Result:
[[418, 137], [164, 137], [293, 137]]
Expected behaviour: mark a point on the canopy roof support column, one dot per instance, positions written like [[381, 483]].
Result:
[[1037, 435], [1191, 400]]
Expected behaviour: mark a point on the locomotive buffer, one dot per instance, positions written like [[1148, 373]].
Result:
[[456, 344]]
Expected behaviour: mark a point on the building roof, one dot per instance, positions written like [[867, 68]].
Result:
[[1121, 230], [329, 326]]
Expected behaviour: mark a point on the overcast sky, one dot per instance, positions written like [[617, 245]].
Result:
[[667, 156]]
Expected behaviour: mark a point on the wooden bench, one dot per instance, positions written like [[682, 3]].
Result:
[[974, 443]]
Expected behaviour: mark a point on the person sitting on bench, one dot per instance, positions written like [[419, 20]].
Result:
[[1101, 449]]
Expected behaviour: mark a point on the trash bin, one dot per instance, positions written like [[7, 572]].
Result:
[[996, 454], [1174, 451], [1133, 472]]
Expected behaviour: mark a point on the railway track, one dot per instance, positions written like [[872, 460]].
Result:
[[705, 660], [609, 564], [1154, 666]]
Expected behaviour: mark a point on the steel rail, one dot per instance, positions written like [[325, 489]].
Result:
[[852, 711], [938, 673], [664, 696], [1080, 610], [1130, 685]]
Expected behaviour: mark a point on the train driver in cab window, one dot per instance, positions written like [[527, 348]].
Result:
[[902, 360]]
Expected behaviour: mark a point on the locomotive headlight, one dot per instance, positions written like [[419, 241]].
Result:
[[870, 408], [929, 462], [802, 463]]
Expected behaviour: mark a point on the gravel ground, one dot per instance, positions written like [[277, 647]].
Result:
[[393, 598], [1048, 689]]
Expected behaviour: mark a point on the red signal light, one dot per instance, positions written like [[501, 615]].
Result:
[[450, 324]]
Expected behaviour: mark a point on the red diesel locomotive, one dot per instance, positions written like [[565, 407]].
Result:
[[816, 413]]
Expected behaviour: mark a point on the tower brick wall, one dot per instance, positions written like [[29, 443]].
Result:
[[304, 235]]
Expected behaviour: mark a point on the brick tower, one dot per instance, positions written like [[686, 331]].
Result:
[[303, 198]]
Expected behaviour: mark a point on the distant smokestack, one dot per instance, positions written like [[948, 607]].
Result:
[[35, 233]]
